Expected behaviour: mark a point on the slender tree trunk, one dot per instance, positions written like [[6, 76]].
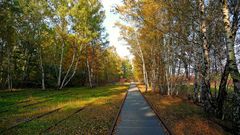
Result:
[[69, 69], [231, 34], [216, 73], [186, 69], [60, 65], [55, 60], [42, 69], [162, 80], [74, 72], [9, 76], [173, 79], [168, 71], [167, 80], [196, 77], [206, 96], [67, 79], [89, 74], [93, 75], [25, 66], [106, 70], [1, 67], [145, 75], [196, 62], [153, 77], [222, 93], [179, 67]]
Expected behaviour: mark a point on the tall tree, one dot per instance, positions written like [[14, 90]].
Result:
[[231, 65]]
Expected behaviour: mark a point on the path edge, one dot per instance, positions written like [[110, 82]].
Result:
[[119, 111], [167, 130]]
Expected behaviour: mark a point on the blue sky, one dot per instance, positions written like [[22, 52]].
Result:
[[112, 30]]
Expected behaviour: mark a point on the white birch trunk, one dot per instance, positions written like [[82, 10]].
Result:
[[145, 75], [68, 79], [231, 34], [42, 70], [69, 69], [89, 73], [206, 97], [74, 72], [60, 65]]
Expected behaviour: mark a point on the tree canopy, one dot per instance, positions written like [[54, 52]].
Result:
[[54, 44]]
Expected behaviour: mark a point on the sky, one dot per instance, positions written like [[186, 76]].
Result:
[[113, 31]]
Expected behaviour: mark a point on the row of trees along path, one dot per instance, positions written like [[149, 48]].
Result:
[[180, 43]]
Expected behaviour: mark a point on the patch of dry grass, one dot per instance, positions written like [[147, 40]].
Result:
[[182, 117]]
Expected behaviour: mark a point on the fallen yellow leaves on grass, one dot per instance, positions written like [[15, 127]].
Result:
[[197, 126], [98, 106], [181, 116], [95, 119]]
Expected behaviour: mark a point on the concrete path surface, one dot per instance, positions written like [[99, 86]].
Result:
[[137, 117]]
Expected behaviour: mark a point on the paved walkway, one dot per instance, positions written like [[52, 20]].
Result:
[[137, 117]]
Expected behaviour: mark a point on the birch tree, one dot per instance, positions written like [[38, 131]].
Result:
[[231, 65]]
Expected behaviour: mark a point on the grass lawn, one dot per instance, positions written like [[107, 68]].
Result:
[[181, 116], [70, 111]]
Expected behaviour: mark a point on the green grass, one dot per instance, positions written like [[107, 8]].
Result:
[[185, 90], [101, 105]]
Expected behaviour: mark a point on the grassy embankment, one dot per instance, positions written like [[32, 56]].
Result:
[[181, 116], [69, 111]]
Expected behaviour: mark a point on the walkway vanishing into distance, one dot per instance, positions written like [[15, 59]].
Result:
[[137, 117]]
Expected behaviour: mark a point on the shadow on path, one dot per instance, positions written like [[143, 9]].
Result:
[[137, 117]]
